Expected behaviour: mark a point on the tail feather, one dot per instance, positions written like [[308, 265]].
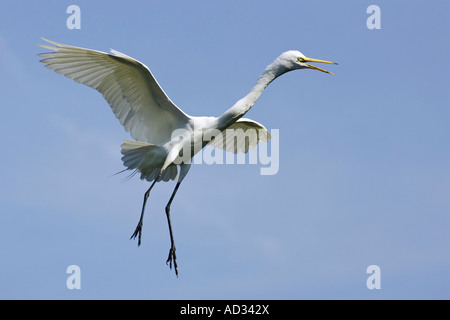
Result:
[[148, 159]]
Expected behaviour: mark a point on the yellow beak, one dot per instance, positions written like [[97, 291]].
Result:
[[305, 60]]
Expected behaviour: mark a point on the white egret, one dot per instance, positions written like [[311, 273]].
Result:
[[153, 120]]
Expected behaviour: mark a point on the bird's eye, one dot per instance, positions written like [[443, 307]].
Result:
[[301, 59]]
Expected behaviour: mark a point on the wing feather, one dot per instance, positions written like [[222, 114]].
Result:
[[129, 87], [240, 136]]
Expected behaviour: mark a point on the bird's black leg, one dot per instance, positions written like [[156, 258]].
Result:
[[172, 256], [138, 230]]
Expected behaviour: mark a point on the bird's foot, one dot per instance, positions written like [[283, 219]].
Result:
[[137, 233], [172, 258]]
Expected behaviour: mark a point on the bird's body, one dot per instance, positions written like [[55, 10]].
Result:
[[166, 137]]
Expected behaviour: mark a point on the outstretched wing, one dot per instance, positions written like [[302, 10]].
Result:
[[240, 136], [133, 93]]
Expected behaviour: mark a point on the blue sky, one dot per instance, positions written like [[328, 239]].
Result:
[[364, 173]]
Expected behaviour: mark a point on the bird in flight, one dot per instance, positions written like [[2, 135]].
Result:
[[166, 137]]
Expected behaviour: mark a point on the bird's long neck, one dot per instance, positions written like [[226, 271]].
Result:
[[243, 105]]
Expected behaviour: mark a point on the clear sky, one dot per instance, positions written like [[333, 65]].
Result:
[[364, 172]]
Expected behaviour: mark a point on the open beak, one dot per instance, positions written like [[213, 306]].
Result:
[[304, 60]]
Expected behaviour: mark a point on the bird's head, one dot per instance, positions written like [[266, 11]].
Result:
[[292, 60]]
